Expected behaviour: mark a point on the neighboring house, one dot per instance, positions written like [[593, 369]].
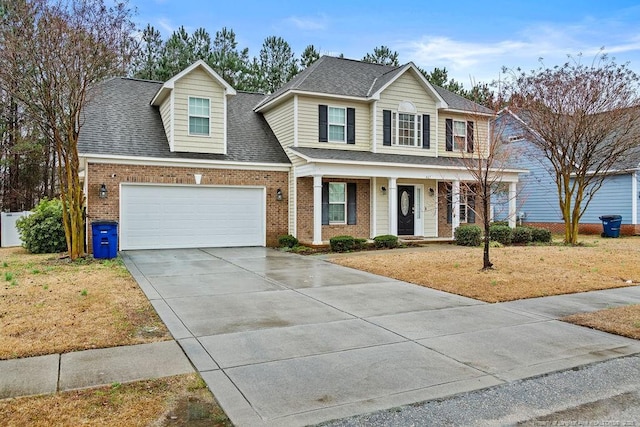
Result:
[[538, 195], [345, 148]]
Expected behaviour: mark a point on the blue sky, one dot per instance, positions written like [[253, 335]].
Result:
[[472, 39]]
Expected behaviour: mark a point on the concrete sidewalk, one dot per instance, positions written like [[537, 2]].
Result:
[[287, 340], [91, 368]]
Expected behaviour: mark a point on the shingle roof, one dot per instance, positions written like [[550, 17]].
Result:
[[369, 157], [119, 120], [348, 77]]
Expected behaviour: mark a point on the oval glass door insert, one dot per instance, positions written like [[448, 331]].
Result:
[[404, 203]]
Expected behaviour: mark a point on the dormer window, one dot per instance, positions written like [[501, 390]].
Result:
[[199, 115]]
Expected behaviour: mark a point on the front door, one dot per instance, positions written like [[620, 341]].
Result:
[[406, 198]]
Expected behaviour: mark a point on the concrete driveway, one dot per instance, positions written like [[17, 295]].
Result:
[[283, 339]]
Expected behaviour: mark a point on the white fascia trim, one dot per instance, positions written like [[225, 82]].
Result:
[[440, 102], [403, 165], [466, 112], [289, 93], [209, 164], [399, 171]]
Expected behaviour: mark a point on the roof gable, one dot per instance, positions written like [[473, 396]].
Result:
[[169, 85], [348, 78]]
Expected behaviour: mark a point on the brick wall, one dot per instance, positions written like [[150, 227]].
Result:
[[361, 229], [112, 175], [558, 228]]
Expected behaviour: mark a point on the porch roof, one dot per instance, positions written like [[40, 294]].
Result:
[[365, 163]]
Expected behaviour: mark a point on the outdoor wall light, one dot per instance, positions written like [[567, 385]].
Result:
[[102, 193], [383, 189], [279, 195], [432, 192]]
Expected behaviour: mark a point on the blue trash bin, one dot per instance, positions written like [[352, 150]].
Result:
[[105, 239], [611, 225]]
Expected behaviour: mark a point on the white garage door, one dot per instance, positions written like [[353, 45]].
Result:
[[164, 216]]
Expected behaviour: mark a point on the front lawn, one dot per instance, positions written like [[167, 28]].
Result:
[[52, 305], [519, 271]]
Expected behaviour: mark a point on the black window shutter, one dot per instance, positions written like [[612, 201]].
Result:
[[351, 203], [325, 203], [470, 137], [386, 127], [323, 122], [426, 131], [471, 208], [351, 125], [449, 134], [449, 204]]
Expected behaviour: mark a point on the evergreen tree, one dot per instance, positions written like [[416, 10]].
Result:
[[228, 61], [382, 55], [147, 61], [309, 56], [277, 62]]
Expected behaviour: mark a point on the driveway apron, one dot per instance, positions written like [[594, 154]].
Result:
[[286, 340]]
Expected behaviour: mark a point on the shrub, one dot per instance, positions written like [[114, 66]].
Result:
[[521, 235], [506, 223], [500, 233], [541, 235], [43, 232], [342, 243], [386, 241], [359, 244], [287, 241], [468, 235]]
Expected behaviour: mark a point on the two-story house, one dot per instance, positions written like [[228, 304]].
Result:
[[345, 148]]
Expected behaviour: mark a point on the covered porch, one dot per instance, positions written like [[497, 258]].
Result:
[[376, 195]]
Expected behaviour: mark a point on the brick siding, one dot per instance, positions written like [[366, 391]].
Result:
[[113, 174], [558, 228], [361, 229]]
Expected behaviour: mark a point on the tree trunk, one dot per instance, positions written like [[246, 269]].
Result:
[[486, 262]]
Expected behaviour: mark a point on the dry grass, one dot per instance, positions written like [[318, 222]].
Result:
[[174, 401], [519, 272], [623, 321], [51, 305]]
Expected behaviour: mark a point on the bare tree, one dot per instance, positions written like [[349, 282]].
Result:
[[61, 48], [486, 159], [584, 119]]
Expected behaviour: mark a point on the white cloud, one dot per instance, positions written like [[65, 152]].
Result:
[[165, 25], [483, 61], [309, 23]]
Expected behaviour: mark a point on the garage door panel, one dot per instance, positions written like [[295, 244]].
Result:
[[191, 216]]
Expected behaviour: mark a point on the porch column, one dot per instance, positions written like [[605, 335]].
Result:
[[455, 206], [317, 209], [393, 206], [512, 205]]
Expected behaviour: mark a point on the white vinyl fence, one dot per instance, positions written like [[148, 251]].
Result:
[[8, 232]]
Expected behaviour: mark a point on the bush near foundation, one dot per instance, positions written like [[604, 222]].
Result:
[[468, 235], [387, 241]]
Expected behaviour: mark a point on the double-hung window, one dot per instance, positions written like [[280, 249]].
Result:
[[337, 124], [406, 129], [337, 203], [199, 114], [459, 135]]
